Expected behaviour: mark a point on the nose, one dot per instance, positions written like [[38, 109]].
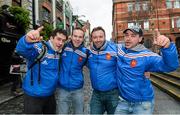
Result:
[[60, 42], [98, 38]]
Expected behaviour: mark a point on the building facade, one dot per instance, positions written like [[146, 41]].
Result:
[[148, 14], [55, 12]]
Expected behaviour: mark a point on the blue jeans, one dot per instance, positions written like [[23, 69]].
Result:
[[67, 98], [124, 107], [102, 101]]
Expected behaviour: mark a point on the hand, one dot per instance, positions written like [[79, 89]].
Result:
[[160, 40], [147, 75], [34, 35]]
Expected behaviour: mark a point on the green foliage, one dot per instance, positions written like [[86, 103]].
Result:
[[21, 16], [60, 25], [46, 31]]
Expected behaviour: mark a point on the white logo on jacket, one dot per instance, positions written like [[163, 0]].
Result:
[[45, 62], [64, 54]]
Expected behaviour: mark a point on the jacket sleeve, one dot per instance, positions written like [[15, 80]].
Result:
[[167, 62], [27, 50]]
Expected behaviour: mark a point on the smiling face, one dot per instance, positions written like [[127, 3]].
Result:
[[58, 41], [131, 39], [98, 38], [77, 37]]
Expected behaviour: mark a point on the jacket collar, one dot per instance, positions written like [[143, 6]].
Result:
[[51, 45], [139, 47], [101, 48], [74, 48]]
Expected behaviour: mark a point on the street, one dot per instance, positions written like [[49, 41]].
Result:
[[164, 104]]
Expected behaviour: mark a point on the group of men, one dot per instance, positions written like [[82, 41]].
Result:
[[116, 71]]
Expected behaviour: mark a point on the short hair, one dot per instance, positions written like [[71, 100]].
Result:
[[78, 28], [61, 31], [97, 29]]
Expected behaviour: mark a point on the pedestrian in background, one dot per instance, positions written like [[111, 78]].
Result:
[[40, 82], [102, 66], [136, 91], [71, 81]]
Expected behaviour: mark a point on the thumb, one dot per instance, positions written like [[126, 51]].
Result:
[[40, 29]]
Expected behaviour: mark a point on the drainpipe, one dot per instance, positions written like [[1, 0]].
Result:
[[33, 14], [54, 13], [64, 14]]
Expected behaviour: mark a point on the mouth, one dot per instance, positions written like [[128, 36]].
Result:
[[127, 43]]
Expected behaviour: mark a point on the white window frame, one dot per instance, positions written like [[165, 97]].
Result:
[[172, 23], [146, 25]]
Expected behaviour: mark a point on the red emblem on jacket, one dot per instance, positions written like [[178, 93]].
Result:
[[80, 59], [133, 63], [108, 56]]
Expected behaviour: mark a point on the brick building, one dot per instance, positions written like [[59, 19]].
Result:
[[149, 14], [54, 12]]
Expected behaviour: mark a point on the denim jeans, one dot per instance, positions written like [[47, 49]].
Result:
[[124, 107], [67, 98], [102, 101]]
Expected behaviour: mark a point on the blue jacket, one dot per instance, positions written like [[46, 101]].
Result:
[[132, 64], [102, 67], [48, 68], [73, 60]]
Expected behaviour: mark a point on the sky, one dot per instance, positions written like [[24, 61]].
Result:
[[98, 12]]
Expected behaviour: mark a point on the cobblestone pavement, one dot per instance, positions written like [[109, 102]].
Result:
[[15, 106], [164, 104]]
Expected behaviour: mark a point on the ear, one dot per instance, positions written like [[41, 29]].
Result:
[[140, 39], [51, 38]]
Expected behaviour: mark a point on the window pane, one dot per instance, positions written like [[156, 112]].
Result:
[[130, 24], [130, 7], [177, 4], [168, 4], [137, 7], [145, 7], [178, 22], [146, 25]]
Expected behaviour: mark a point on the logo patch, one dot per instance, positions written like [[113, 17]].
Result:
[[64, 54], [80, 59], [45, 62], [133, 63], [108, 56]]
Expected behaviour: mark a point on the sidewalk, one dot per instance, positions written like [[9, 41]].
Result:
[[5, 93]]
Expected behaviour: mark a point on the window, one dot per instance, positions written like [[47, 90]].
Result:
[[130, 7], [146, 25], [145, 7], [178, 22], [177, 4], [137, 7], [168, 4], [130, 24], [46, 14]]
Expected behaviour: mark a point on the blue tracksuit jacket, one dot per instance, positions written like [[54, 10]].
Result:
[[102, 66], [132, 83], [48, 71], [73, 60]]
